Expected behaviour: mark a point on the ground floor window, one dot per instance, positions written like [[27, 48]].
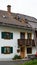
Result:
[[6, 50], [29, 50]]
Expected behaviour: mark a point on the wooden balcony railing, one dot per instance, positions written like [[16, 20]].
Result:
[[26, 42]]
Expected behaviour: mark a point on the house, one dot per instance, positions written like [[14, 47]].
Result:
[[18, 34]]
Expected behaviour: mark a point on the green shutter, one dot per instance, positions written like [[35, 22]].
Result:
[[2, 49], [3, 34], [11, 35], [11, 49]]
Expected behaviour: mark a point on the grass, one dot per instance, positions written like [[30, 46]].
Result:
[[31, 62]]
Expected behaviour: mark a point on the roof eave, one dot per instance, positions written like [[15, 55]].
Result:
[[17, 26]]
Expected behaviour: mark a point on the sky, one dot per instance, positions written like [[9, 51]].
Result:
[[26, 7]]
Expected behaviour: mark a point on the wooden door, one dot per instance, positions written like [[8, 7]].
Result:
[[22, 52]]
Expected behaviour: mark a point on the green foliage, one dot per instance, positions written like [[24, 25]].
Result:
[[32, 62], [16, 57]]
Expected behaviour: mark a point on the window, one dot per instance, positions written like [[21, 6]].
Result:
[[6, 50], [36, 33], [22, 35], [7, 35], [29, 35], [29, 50]]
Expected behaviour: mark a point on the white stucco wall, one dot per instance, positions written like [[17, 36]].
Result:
[[12, 42], [33, 50], [32, 35]]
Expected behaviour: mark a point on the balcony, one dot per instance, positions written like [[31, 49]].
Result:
[[26, 42]]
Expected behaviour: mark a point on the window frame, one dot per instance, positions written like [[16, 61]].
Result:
[[28, 51]]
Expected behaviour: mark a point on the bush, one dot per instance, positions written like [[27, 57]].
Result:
[[16, 57], [31, 62]]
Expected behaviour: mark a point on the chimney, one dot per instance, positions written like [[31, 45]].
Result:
[[9, 8]]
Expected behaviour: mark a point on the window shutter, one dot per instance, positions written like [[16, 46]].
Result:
[[11, 35], [3, 34], [11, 49], [2, 49]]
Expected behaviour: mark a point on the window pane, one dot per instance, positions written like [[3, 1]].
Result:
[[8, 50], [22, 35], [29, 35], [4, 49]]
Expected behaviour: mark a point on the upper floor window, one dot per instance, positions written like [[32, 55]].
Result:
[[22, 35], [29, 35], [7, 35], [36, 33], [6, 50]]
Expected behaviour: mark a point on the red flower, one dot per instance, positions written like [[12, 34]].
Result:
[[36, 54]]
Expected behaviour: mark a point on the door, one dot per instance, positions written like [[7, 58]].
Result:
[[22, 52]]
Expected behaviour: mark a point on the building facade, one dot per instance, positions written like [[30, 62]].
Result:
[[17, 34]]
